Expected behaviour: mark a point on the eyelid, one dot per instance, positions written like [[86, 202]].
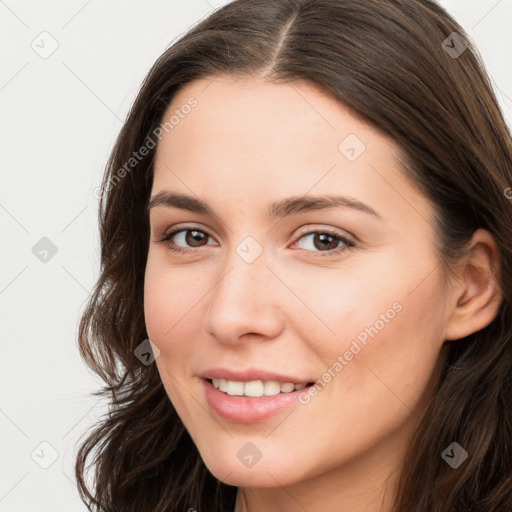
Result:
[[302, 231], [323, 229], [346, 239], [173, 230]]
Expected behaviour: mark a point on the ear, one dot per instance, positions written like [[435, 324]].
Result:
[[476, 296]]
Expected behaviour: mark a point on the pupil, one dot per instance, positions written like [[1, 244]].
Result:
[[194, 236], [324, 237]]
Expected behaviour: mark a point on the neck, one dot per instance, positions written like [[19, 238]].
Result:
[[365, 484], [370, 499]]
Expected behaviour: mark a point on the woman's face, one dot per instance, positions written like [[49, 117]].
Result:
[[274, 286]]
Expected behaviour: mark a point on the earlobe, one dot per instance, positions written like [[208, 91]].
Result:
[[477, 296]]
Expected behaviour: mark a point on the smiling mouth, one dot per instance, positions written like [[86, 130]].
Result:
[[256, 388]]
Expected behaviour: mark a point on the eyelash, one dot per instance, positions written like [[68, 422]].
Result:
[[349, 245]]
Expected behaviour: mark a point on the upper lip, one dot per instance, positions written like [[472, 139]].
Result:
[[249, 375]]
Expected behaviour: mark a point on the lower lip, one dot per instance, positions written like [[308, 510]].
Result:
[[243, 409]]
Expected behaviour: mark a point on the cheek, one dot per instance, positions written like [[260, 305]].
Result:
[[323, 312], [169, 315], [343, 304], [381, 369], [388, 354], [171, 297], [386, 330]]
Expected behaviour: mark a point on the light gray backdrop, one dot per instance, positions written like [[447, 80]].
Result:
[[68, 75]]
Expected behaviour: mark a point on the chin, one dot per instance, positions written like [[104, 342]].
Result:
[[230, 470], [250, 478]]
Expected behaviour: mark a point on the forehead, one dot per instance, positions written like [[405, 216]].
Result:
[[270, 140], [284, 110]]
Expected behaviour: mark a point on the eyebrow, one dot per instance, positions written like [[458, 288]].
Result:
[[283, 208]]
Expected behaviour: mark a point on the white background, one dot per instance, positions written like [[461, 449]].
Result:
[[58, 121]]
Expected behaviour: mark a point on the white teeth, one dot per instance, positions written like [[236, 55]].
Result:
[[235, 388], [255, 388], [287, 387], [272, 388]]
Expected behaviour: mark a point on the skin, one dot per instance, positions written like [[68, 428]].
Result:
[[294, 310]]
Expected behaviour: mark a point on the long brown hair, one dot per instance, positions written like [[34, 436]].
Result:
[[399, 66]]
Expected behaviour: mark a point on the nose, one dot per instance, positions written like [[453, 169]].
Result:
[[244, 302]]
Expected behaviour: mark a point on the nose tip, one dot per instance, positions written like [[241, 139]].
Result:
[[244, 304]]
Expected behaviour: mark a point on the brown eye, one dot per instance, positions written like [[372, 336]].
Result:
[[195, 238], [324, 243], [184, 240]]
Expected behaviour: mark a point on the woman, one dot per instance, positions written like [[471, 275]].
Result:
[[306, 212]]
